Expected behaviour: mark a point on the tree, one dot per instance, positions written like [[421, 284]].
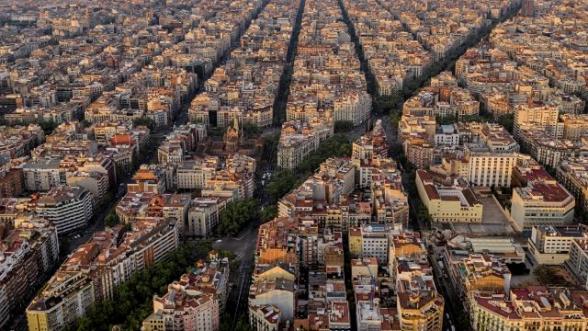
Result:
[[132, 300], [145, 121], [236, 215], [108, 198], [251, 130], [111, 219], [85, 124], [48, 125], [549, 276], [395, 118], [385, 104], [335, 146], [268, 213], [281, 183], [343, 126], [444, 120], [270, 150], [506, 120], [243, 325]]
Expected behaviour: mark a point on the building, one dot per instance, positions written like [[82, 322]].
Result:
[[374, 240], [541, 200], [486, 157], [573, 174], [482, 153], [204, 215], [420, 306], [537, 115], [194, 174], [149, 179], [417, 134], [94, 270], [278, 292], [551, 244], [69, 208], [299, 139], [195, 302], [265, 318], [450, 200], [364, 267], [11, 182], [96, 182], [371, 145], [505, 249], [29, 250], [476, 272], [530, 308], [42, 175], [578, 260]]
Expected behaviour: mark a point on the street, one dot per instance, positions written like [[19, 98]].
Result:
[[243, 246]]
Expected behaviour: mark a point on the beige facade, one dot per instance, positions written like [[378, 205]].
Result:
[[448, 203]]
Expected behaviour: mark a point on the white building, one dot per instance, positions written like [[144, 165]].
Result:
[[551, 245], [278, 292], [447, 135], [374, 238], [42, 175], [542, 202], [69, 208], [264, 318], [194, 174], [578, 262], [203, 215], [488, 169]]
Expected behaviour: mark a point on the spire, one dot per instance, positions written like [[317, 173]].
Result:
[[236, 123]]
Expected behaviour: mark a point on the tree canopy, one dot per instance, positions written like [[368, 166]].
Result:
[[237, 215], [111, 219], [146, 121], [343, 126]]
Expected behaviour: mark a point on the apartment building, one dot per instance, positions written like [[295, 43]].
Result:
[[265, 318], [442, 101], [29, 249], [419, 304], [476, 272], [542, 307], [277, 292], [11, 181], [578, 260], [92, 272], [486, 155], [299, 139], [374, 240], [551, 244], [42, 175], [536, 115], [573, 174], [417, 134], [204, 215], [68, 208], [195, 302], [149, 178]]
